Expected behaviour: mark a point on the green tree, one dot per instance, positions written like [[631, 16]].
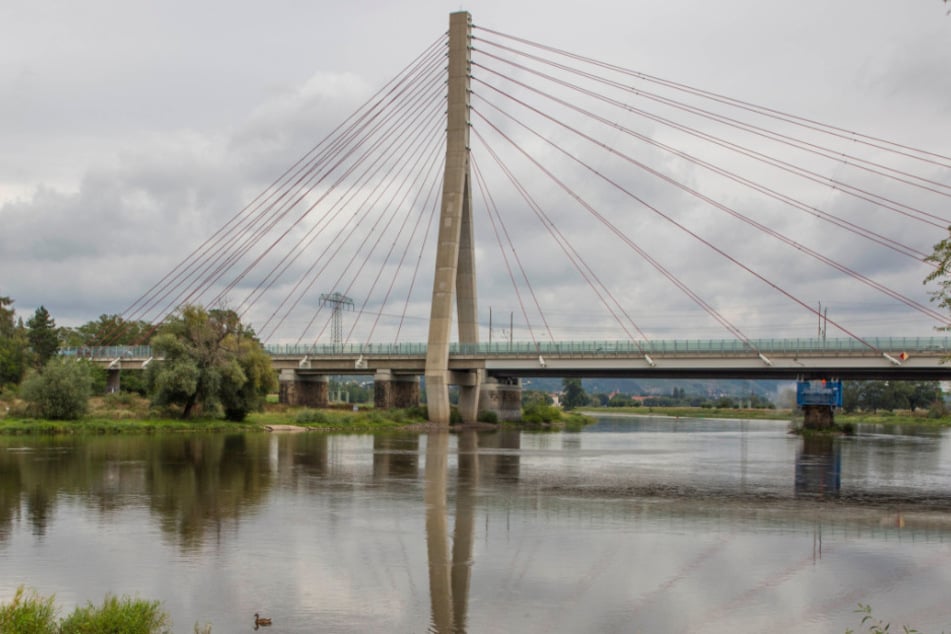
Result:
[[245, 387], [210, 360], [941, 258], [13, 345], [535, 397], [113, 330], [61, 390], [620, 400], [889, 395], [923, 394], [851, 395], [573, 394], [7, 317], [43, 336]]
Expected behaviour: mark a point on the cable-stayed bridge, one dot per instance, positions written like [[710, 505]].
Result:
[[584, 201]]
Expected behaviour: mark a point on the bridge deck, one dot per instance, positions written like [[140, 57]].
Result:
[[917, 358]]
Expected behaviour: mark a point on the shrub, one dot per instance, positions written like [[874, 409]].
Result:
[[32, 614], [28, 614], [407, 414], [311, 416], [485, 416], [60, 391], [937, 410], [369, 417], [117, 616], [121, 399], [418, 412], [540, 414]]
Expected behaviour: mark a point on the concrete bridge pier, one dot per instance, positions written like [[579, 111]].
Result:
[[818, 397], [307, 390], [392, 390], [468, 383], [113, 376], [503, 396], [818, 417]]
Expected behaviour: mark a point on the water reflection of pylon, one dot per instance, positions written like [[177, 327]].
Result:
[[338, 302], [449, 577]]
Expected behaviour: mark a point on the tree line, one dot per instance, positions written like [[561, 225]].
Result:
[[211, 363], [857, 396], [573, 395]]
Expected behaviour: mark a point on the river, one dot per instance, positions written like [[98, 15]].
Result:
[[631, 525]]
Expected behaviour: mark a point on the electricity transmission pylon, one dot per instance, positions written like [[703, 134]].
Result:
[[338, 302]]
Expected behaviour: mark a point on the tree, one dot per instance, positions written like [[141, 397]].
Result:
[[889, 395], [61, 390], [535, 397], [210, 360], [13, 345], [941, 258], [112, 330], [923, 394], [7, 317], [851, 396], [573, 394], [620, 400], [43, 336]]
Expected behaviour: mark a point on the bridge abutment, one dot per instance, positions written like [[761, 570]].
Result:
[[395, 390], [307, 390], [502, 396]]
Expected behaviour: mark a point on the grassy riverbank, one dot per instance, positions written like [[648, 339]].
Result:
[[920, 417], [30, 613], [133, 415]]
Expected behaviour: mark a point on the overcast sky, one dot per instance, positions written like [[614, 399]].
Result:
[[129, 131]]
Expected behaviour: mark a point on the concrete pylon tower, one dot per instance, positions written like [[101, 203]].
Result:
[[455, 254]]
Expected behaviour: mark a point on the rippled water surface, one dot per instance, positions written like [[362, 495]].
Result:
[[632, 525]]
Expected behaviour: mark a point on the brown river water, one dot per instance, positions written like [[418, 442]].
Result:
[[631, 525]]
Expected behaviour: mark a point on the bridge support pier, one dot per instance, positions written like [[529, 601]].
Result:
[[113, 376], [307, 390], [817, 417], [395, 390], [502, 396], [468, 383]]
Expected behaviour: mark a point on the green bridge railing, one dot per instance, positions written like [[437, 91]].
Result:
[[713, 347]]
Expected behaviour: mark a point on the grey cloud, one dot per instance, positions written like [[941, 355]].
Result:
[[110, 177]]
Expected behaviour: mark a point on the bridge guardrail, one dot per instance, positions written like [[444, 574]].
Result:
[[910, 345], [108, 352]]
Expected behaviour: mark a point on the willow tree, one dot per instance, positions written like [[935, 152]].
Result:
[[210, 359]]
